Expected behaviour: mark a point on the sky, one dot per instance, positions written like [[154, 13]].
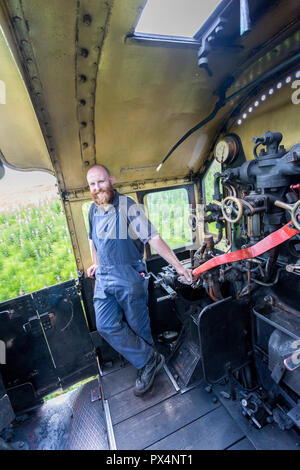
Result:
[[19, 180], [175, 17]]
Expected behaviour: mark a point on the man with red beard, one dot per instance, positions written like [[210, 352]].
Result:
[[118, 231]]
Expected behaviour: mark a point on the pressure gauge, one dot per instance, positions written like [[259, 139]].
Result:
[[226, 150]]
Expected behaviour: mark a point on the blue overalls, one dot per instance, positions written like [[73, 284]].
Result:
[[121, 292]]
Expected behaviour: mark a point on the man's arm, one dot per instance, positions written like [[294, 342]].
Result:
[[161, 247], [91, 270]]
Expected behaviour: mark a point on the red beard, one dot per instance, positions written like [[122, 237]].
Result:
[[103, 197]]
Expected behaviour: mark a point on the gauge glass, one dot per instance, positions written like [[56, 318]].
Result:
[[222, 151]]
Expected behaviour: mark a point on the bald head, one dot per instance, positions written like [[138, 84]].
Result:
[[99, 167], [100, 183]]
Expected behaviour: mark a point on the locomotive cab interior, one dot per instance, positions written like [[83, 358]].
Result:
[[210, 121]]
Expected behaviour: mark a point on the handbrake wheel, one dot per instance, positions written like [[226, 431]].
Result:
[[232, 209]]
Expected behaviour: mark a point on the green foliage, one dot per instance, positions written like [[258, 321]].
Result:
[[209, 189], [169, 212], [35, 249]]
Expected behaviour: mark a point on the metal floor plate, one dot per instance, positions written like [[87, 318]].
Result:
[[88, 426], [118, 381], [214, 431], [125, 404], [243, 444], [163, 419], [155, 423]]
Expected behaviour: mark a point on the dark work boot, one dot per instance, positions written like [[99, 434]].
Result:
[[147, 374]]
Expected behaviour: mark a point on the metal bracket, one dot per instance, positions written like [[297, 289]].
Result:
[[96, 393]]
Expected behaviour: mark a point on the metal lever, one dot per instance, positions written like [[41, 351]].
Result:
[[166, 297], [293, 268]]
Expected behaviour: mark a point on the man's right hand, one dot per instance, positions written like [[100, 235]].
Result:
[[91, 271]]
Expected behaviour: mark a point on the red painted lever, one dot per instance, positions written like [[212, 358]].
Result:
[[272, 240]]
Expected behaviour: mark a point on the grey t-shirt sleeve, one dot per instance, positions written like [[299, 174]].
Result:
[[139, 226]]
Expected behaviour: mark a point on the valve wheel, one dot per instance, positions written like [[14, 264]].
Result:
[[294, 210], [296, 215], [232, 209]]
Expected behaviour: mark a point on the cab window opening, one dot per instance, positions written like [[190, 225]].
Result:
[[35, 246], [169, 210], [208, 191]]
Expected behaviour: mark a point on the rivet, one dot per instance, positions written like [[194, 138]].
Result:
[[87, 163], [85, 145], [84, 52], [82, 102], [83, 124], [82, 78], [87, 20]]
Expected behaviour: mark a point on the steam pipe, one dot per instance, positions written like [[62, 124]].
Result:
[[223, 100], [245, 21]]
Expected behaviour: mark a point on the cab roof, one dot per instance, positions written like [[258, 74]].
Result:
[[81, 88]]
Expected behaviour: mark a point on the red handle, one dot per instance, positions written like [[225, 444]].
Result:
[[272, 240]]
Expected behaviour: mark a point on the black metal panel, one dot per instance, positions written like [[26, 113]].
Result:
[[27, 355], [155, 423], [224, 331], [24, 397], [186, 362], [67, 333], [214, 431], [87, 292], [7, 414]]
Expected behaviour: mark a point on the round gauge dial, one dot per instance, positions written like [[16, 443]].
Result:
[[226, 150], [221, 151]]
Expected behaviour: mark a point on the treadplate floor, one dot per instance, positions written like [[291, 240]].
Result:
[[71, 421]]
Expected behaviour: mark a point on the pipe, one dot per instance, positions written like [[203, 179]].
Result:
[[245, 21], [268, 284], [223, 100]]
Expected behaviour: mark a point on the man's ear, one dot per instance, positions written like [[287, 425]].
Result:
[[111, 179]]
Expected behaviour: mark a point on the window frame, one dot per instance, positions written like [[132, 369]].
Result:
[[194, 41], [191, 201]]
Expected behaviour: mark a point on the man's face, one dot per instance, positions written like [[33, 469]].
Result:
[[100, 186]]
